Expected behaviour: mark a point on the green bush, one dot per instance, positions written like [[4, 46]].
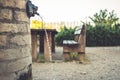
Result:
[[103, 36], [106, 31], [64, 34], [95, 35]]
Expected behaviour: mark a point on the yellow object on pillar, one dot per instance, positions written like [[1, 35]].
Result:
[[36, 24]]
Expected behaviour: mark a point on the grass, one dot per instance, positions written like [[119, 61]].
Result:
[[73, 55]]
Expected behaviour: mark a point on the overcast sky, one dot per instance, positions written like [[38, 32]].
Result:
[[74, 10]]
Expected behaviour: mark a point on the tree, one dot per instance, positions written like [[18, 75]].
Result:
[[104, 18], [105, 32]]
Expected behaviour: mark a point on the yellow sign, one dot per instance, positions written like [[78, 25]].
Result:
[[36, 24]]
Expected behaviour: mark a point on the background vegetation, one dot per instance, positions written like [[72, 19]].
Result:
[[64, 34], [104, 31]]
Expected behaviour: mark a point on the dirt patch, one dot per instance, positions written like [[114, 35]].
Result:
[[104, 65]]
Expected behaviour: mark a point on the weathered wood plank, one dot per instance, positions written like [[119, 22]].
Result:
[[78, 30], [69, 42]]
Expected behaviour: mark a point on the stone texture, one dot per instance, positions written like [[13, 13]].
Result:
[[14, 28], [6, 14], [10, 76], [3, 40], [25, 28], [18, 65], [15, 41], [11, 54], [6, 27], [21, 16], [21, 40], [13, 3], [3, 67], [25, 74]]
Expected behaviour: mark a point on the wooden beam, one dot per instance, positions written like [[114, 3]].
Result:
[[34, 46], [47, 54]]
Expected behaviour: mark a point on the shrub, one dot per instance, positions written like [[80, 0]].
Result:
[[103, 36], [64, 34]]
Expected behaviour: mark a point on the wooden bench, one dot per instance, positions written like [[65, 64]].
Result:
[[77, 45]]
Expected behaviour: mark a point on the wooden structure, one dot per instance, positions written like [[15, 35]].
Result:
[[43, 47], [77, 45]]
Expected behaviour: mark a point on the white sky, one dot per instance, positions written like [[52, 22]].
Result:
[[74, 10]]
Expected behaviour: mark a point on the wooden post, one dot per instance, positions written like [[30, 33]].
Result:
[[83, 40], [34, 46], [66, 56], [47, 54], [81, 54], [41, 46], [53, 42]]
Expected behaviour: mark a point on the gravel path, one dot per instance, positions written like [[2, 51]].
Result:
[[104, 64]]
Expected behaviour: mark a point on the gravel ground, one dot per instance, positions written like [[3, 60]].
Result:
[[103, 64]]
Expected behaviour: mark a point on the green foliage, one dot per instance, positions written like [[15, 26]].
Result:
[[104, 18], [103, 36], [106, 31], [73, 55], [64, 34]]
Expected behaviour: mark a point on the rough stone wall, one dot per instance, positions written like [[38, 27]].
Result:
[[15, 41]]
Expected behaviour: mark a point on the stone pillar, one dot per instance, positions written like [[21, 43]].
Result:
[[15, 41]]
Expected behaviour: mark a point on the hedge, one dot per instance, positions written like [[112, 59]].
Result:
[[103, 36], [95, 35]]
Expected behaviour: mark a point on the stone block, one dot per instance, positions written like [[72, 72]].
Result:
[[6, 14], [14, 28], [21, 16], [20, 4], [21, 39], [13, 3], [25, 28], [3, 40], [6, 27], [17, 65], [11, 54], [3, 67]]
